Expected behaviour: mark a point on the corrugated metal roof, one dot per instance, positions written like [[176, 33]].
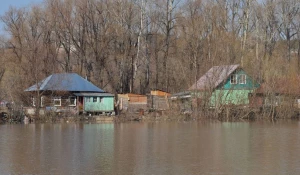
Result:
[[181, 95], [65, 82], [213, 77], [94, 94]]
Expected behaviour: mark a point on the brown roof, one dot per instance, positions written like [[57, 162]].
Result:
[[214, 77]]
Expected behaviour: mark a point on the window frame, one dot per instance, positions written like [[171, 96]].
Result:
[[42, 99], [233, 80], [33, 101], [243, 79], [75, 101], [54, 99], [95, 101]]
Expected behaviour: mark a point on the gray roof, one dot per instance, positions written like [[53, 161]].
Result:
[[181, 95], [214, 77], [94, 94], [65, 82]]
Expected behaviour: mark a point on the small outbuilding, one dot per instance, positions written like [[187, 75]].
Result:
[[132, 102], [158, 100]]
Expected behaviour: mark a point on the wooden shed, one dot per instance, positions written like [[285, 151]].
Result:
[[132, 102], [159, 100]]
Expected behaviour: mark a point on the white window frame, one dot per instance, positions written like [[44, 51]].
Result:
[[56, 99], [243, 79], [42, 99], [75, 101], [233, 79], [33, 101]]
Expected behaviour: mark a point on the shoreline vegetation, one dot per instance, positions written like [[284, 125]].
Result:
[[138, 46], [229, 114]]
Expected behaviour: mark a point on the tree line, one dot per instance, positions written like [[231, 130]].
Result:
[[138, 45]]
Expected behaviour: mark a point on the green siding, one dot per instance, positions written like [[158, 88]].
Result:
[[233, 94], [230, 97], [230, 94], [249, 82], [103, 105]]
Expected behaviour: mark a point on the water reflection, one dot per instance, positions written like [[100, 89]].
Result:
[[207, 147]]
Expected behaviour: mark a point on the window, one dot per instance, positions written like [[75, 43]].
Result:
[[243, 79], [72, 101], [33, 101], [94, 99], [101, 99], [42, 100], [233, 79], [57, 101], [87, 99]]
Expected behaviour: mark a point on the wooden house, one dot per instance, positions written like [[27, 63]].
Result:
[[224, 85], [69, 92]]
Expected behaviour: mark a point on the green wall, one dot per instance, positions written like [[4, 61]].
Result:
[[227, 97], [103, 105], [233, 94], [249, 82], [230, 94]]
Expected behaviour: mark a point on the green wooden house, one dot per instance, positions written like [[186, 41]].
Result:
[[224, 85], [69, 92]]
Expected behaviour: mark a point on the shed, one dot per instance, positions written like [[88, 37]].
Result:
[[132, 102], [159, 100]]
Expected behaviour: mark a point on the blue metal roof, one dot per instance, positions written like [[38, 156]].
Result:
[[65, 82], [86, 94]]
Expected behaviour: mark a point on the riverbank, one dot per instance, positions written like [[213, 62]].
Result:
[[167, 115]]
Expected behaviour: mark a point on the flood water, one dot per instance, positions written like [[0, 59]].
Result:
[[204, 147]]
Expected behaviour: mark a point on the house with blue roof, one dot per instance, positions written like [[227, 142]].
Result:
[[69, 92]]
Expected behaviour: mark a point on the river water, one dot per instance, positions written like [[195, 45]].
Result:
[[195, 147]]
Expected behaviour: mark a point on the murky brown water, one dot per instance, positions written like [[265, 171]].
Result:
[[151, 148]]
